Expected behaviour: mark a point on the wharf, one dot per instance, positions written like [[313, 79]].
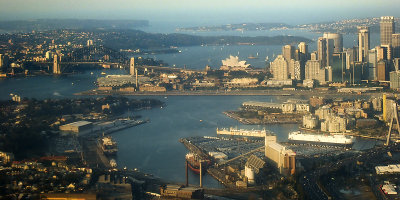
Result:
[[91, 153], [193, 148], [268, 119]]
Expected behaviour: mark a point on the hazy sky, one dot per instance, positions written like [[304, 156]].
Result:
[[200, 11]]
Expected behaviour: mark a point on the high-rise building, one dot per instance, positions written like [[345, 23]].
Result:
[[303, 48], [288, 52], [314, 71], [396, 45], [387, 51], [380, 53], [132, 66], [294, 69], [321, 51], [89, 43], [351, 55], [337, 41], [281, 157], [387, 29], [381, 69], [279, 68], [372, 62], [363, 43], [394, 80], [329, 52], [56, 65]]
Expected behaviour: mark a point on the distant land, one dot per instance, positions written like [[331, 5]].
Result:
[[128, 39], [54, 24], [348, 26]]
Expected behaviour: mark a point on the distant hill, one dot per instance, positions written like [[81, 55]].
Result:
[[54, 24], [127, 39]]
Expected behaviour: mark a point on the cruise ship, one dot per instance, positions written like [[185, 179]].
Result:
[[299, 137], [108, 145], [242, 132]]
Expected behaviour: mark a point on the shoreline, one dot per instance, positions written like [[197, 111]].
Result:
[[283, 93]]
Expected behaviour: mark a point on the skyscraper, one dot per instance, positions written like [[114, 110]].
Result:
[[132, 66], [295, 69], [321, 51], [280, 68], [363, 43], [56, 65], [313, 71], [303, 48], [337, 41], [387, 29], [396, 45], [372, 62], [288, 52]]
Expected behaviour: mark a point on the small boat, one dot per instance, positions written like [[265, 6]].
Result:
[[113, 163], [91, 73], [253, 57], [103, 73]]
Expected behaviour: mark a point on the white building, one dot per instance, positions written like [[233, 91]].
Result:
[[233, 63]]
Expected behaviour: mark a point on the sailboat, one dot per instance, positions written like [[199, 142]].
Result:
[[253, 57]]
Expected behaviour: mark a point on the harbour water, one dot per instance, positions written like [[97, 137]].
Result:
[[154, 147]]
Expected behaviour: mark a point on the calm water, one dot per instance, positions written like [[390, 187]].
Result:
[[154, 147], [197, 57]]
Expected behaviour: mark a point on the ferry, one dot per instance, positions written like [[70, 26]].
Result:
[[108, 145], [327, 139]]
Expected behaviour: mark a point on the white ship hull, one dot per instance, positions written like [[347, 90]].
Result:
[[297, 137]]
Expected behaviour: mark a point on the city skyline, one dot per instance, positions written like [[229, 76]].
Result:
[[198, 12]]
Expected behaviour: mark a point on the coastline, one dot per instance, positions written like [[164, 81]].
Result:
[[272, 92]]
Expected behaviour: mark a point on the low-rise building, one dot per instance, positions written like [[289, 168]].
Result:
[[76, 127], [310, 121]]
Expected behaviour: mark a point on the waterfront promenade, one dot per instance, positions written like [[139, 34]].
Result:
[[268, 92]]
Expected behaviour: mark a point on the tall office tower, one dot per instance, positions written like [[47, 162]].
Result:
[[387, 29], [314, 71], [381, 70], [372, 63], [350, 57], [380, 53], [322, 51], [303, 48], [313, 56], [337, 41], [132, 66], [363, 43], [279, 68], [388, 52], [329, 52], [56, 65], [396, 45], [295, 69], [288, 52], [396, 63]]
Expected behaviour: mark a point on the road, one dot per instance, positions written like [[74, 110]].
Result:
[[310, 180]]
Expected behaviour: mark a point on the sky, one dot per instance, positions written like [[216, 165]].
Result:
[[200, 12]]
